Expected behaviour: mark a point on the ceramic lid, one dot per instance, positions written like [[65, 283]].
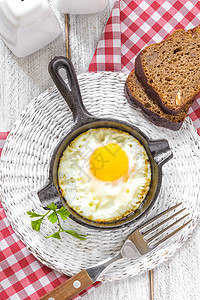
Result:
[[22, 13]]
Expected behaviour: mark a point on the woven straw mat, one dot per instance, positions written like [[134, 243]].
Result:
[[25, 165]]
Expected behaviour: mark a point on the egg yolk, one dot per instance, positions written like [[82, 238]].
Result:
[[109, 163]]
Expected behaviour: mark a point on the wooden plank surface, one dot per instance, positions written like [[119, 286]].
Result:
[[21, 80], [85, 32], [178, 278]]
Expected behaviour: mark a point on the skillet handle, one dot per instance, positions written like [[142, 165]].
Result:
[[48, 194], [71, 91], [161, 151]]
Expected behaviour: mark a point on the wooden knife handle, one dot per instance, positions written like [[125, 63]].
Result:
[[70, 288]]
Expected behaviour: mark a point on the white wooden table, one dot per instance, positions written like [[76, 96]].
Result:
[[23, 79]]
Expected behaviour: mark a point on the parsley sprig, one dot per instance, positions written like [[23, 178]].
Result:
[[54, 216]]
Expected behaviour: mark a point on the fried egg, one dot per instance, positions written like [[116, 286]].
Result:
[[104, 174]]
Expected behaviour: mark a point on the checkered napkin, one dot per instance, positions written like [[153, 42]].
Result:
[[131, 26]]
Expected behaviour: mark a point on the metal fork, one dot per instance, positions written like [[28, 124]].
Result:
[[141, 241]]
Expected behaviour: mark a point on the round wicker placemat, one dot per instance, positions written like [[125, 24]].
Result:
[[24, 170]]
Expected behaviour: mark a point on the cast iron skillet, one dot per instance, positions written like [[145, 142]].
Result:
[[158, 150]]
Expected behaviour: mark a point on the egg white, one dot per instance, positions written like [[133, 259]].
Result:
[[99, 200]]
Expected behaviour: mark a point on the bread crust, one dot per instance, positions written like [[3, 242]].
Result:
[[139, 71], [150, 115]]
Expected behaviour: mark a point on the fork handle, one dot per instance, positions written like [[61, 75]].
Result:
[[70, 288]]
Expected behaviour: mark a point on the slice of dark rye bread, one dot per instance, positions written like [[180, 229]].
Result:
[[136, 96], [170, 70]]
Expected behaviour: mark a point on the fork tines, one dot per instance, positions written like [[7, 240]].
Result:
[[155, 237]]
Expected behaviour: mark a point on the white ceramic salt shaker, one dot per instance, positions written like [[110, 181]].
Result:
[[80, 6], [27, 25]]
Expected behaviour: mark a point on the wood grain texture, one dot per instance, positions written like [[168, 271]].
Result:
[[151, 284], [67, 35], [85, 32], [178, 278], [68, 289], [129, 289], [23, 79]]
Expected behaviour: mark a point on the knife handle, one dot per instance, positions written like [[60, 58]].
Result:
[[70, 288]]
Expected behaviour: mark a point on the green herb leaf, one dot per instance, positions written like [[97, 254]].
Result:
[[32, 214], [53, 217], [52, 206], [55, 235], [36, 224], [64, 213], [81, 237]]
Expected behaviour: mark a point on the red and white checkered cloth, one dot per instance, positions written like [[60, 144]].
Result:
[[131, 26]]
